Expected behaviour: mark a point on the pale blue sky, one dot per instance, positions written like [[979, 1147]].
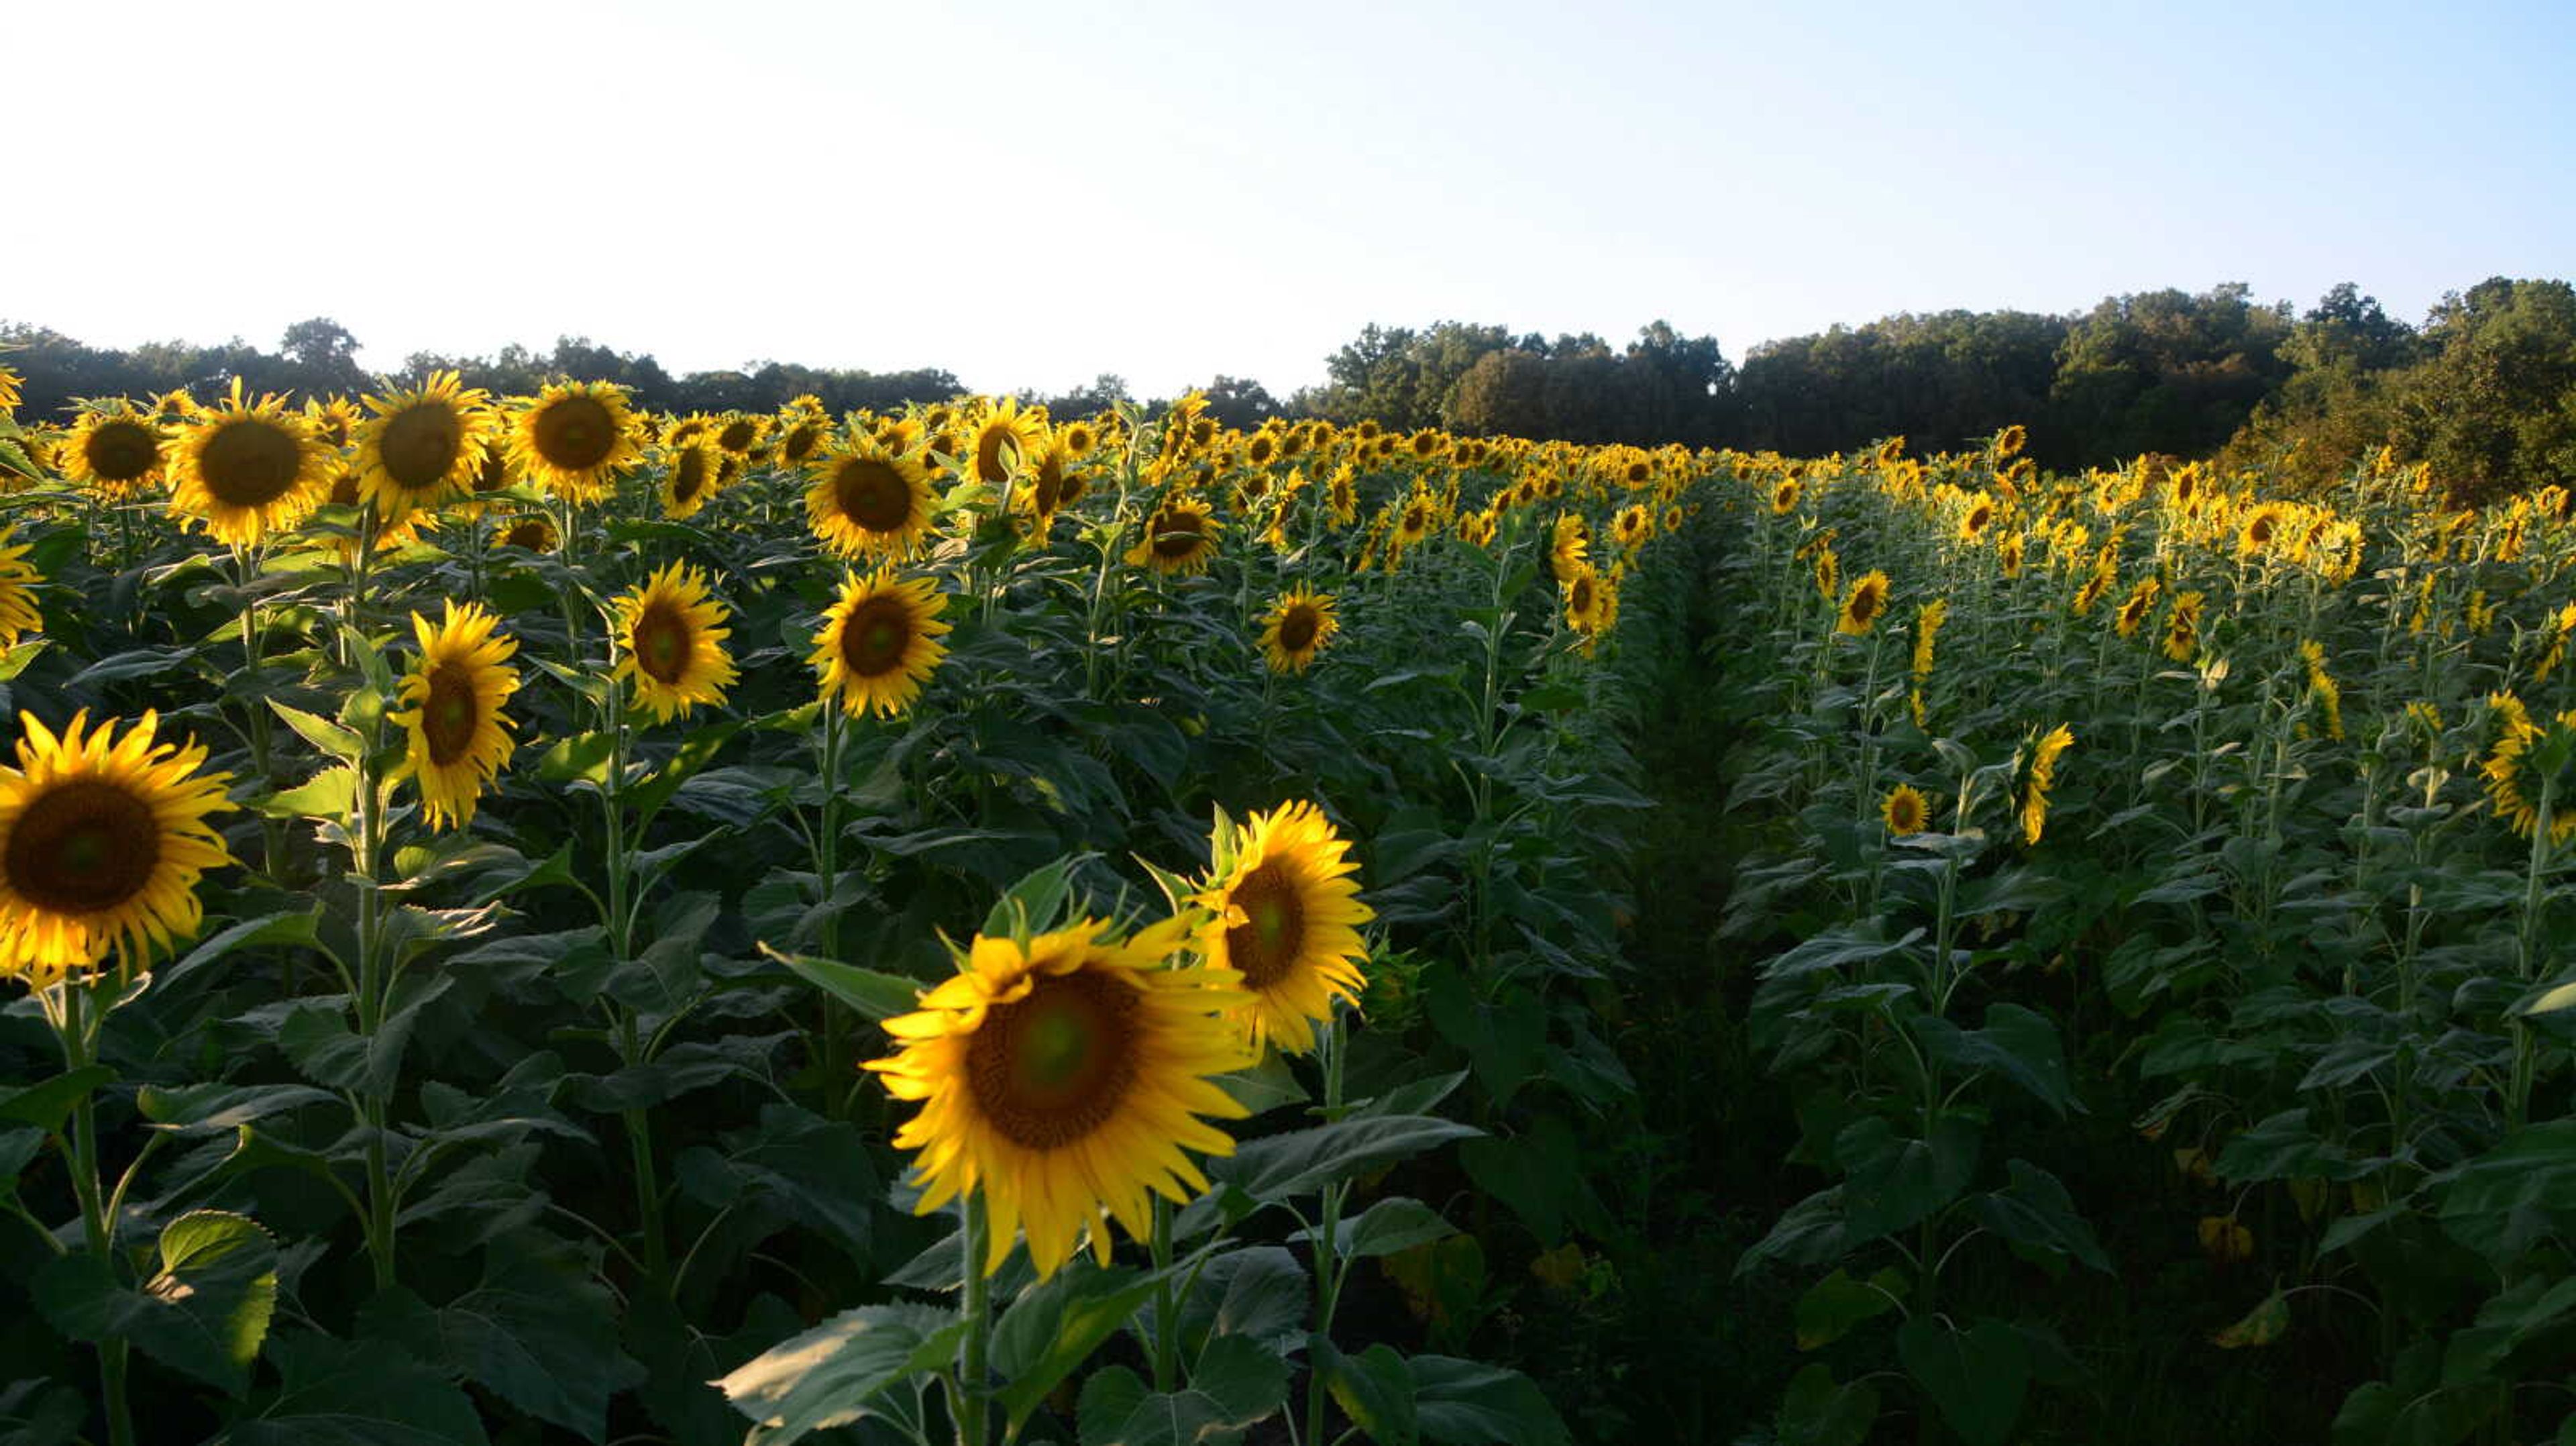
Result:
[[1029, 193]]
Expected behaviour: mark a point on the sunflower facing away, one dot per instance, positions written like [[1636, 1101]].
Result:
[[1180, 537], [453, 696], [573, 439], [2504, 771], [1297, 628], [1064, 1076], [1567, 546], [1002, 436], [671, 643], [1287, 921], [102, 840], [1904, 810], [689, 479], [879, 643], [117, 451], [422, 447], [248, 470], [18, 578], [2043, 773], [868, 499]]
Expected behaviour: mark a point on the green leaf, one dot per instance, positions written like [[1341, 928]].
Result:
[[692, 757], [15, 660], [826, 1376], [1299, 1162], [1056, 1324], [1977, 1379], [361, 1393], [2038, 1218], [283, 928], [1817, 1412], [1237, 1383], [1373, 1388], [1896, 1182], [46, 1103], [814, 1171], [1035, 904], [1468, 1403], [1835, 1304], [1393, 1224], [540, 1332], [221, 1106], [328, 796], [1258, 1291], [334, 741], [204, 1312], [2016, 1043], [583, 757], [2551, 1000], [2267, 1322], [40, 1413], [875, 994], [2512, 1198]]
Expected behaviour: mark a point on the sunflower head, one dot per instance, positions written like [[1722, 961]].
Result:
[[2036, 781], [1297, 628], [102, 840], [688, 479], [244, 470], [671, 643], [1285, 918], [535, 531], [1062, 1075], [452, 701], [422, 447], [1180, 537], [19, 614], [879, 642], [1861, 609], [574, 439], [868, 500], [116, 450], [1904, 810]]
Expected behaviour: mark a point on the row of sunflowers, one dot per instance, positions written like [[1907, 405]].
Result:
[[488, 875]]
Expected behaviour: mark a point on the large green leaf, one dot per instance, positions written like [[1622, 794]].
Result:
[[1301, 1162], [1056, 1324], [1818, 1412], [204, 1312], [1468, 1403], [362, 1393], [1977, 1378], [1236, 1384], [540, 1332], [828, 1375], [1373, 1388]]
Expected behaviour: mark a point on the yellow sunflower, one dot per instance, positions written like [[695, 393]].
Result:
[[671, 643], [2182, 628], [2043, 773], [1002, 436], [454, 693], [1861, 609], [1062, 1076], [1584, 596], [102, 840], [1297, 628], [8, 390], [116, 450], [1180, 536], [574, 438], [1053, 483], [1904, 810], [334, 422], [1567, 546], [801, 436], [1287, 921], [688, 480], [867, 499], [879, 642], [2503, 769], [18, 578], [422, 447], [534, 531], [248, 470], [738, 433], [1078, 437]]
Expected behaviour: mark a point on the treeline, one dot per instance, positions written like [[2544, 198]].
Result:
[[2484, 390]]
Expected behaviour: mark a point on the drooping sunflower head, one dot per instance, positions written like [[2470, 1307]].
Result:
[[1296, 628], [2133, 612], [688, 479], [879, 642], [1180, 537], [2039, 777], [244, 470], [1063, 1075], [670, 643], [1286, 920], [535, 531], [868, 500], [102, 841], [452, 700], [1904, 810], [1861, 609], [422, 447], [2011, 440], [574, 439], [114, 449]]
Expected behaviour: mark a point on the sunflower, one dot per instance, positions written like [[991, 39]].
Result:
[[1078, 438], [670, 643], [1861, 609], [868, 499], [2104, 574], [1343, 492], [534, 531], [8, 390], [1002, 436], [116, 450], [1974, 521], [2043, 773], [689, 479], [2503, 770], [1063, 1075], [1583, 597], [1053, 483], [1180, 537], [1413, 524], [573, 439], [1297, 628], [879, 642], [422, 447], [334, 422], [1904, 810], [248, 470], [2133, 612], [1287, 917], [738, 433], [454, 693], [1828, 569], [18, 579], [2182, 628], [102, 840], [801, 436], [1567, 545], [2011, 440]]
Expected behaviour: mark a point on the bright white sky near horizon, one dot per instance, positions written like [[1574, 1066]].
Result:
[[1031, 193]]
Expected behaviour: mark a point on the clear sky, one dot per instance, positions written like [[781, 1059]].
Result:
[[1028, 193]]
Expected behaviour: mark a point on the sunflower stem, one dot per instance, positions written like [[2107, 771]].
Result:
[[827, 878], [973, 1404], [1167, 1349], [1329, 1043], [77, 1031], [2526, 1044]]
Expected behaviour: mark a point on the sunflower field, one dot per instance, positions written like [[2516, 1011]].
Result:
[[527, 920]]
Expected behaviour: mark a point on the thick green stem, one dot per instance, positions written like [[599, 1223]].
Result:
[[78, 1034], [2526, 1044], [974, 1404], [1328, 1277], [1167, 1316]]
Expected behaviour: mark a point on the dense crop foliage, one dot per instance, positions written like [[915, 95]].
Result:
[[533, 920]]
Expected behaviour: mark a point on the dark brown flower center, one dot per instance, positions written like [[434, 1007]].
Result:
[[1178, 533], [663, 642], [575, 433], [876, 635], [250, 462], [1273, 929], [689, 475], [83, 846], [421, 444], [737, 434], [121, 451], [447, 719], [995, 450], [1297, 630], [872, 494], [1048, 1069]]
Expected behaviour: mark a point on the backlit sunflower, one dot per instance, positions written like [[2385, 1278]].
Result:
[[2182, 628], [453, 696], [18, 578], [1297, 628], [1904, 810], [1078, 437], [879, 642], [2504, 767], [1828, 569], [1287, 917], [115, 450], [1063, 1076], [738, 433], [867, 500], [688, 479], [1180, 536], [2011, 440], [1052, 482], [102, 840], [8, 390], [334, 423], [1584, 595], [422, 447], [670, 643], [1632, 526], [1567, 546], [801, 437], [1862, 607], [246, 470], [535, 531], [2133, 612], [574, 438], [2036, 783], [1002, 436]]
